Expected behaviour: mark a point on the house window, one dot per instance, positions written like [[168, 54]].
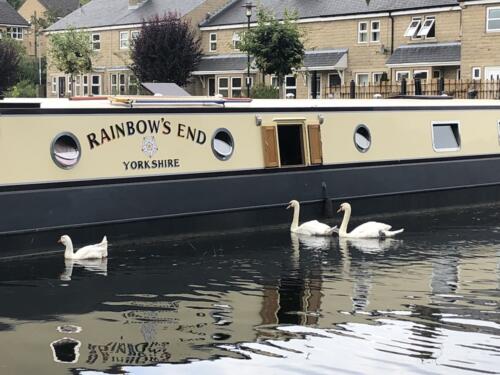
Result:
[[476, 73], [224, 86], [124, 40], [78, 85], [236, 87], [334, 79], [413, 27], [493, 19], [134, 34], [362, 79], [375, 33], [363, 32], [428, 29], [377, 77], [132, 85], [420, 74], [318, 85], [492, 73], [436, 74], [15, 32], [402, 74], [290, 87], [122, 79], [445, 136], [96, 42], [236, 41], [54, 85], [213, 42], [114, 84], [96, 85], [85, 85]]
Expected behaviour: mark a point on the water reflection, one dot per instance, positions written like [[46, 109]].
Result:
[[348, 305]]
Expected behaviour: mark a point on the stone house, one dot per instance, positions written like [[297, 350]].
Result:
[[112, 24], [32, 10], [12, 23]]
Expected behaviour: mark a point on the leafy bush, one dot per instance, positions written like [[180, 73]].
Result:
[[264, 92], [23, 89]]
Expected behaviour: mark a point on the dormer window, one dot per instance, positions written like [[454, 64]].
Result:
[[493, 19]]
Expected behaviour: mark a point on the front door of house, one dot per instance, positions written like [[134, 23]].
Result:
[[62, 87], [211, 86]]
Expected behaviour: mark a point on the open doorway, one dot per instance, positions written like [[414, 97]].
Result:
[[291, 145]]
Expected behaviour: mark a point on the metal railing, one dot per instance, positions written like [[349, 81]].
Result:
[[460, 89]]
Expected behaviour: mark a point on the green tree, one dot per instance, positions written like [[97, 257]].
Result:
[[276, 45], [71, 52], [10, 58], [166, 50]]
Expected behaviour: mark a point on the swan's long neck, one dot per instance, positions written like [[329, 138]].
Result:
[[345, 221], [68, 253], [295, 221]]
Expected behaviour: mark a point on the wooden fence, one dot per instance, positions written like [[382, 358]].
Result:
[[460, 89]]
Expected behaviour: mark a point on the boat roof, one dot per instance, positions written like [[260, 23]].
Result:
[[216, 102]]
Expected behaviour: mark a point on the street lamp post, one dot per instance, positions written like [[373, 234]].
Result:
[[248, 12]]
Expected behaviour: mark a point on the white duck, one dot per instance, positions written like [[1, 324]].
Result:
[[96, 251], [311, 228], [371, 229]]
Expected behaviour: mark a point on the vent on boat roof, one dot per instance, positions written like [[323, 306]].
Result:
[[14, 105]]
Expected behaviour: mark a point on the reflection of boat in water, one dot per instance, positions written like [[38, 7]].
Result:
[[139, 159]]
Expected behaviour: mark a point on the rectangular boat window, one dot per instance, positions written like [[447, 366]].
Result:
[[446, 136], [290, 143]]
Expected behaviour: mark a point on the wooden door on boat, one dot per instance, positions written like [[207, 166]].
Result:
[[270, 145], [315, 146]]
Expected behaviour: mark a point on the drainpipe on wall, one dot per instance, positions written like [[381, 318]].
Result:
[[391, 17]]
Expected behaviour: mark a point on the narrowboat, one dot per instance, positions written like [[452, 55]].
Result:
[[205, 164]]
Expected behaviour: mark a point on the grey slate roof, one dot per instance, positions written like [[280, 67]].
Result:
[[9, 16], [61, 7], [323, 58], [235, 14], [223, 63], [165, 89], [101, 13], [426, 53]]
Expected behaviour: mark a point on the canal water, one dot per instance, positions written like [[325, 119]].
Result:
[[264, 301]]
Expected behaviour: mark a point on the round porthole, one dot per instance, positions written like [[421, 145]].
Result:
[[65, 150], [222, 144], [362, 138]]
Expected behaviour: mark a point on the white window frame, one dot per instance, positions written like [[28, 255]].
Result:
[[475, 70], [227, 88], [439, 75], [400, 72], [487, 72], [363, 32], [96, 41], [459, 73], [78, 85], [412, 30], [338, 74], [212, 41], [421, 71], [134, 34], [85, 85], [54, 85], [373, 30], [113, 85], [362, 74], [459, 136], [124, 40], [236, 39], [240, 88], [15, 32], [374, 79], [488, 19], [427, 25], [92, 85], [290, 87]]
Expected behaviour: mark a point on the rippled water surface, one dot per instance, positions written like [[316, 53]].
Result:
[[264, 302]]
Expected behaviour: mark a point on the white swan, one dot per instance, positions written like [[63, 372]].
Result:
[[311, 228], [96, 251], [371, 229]]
